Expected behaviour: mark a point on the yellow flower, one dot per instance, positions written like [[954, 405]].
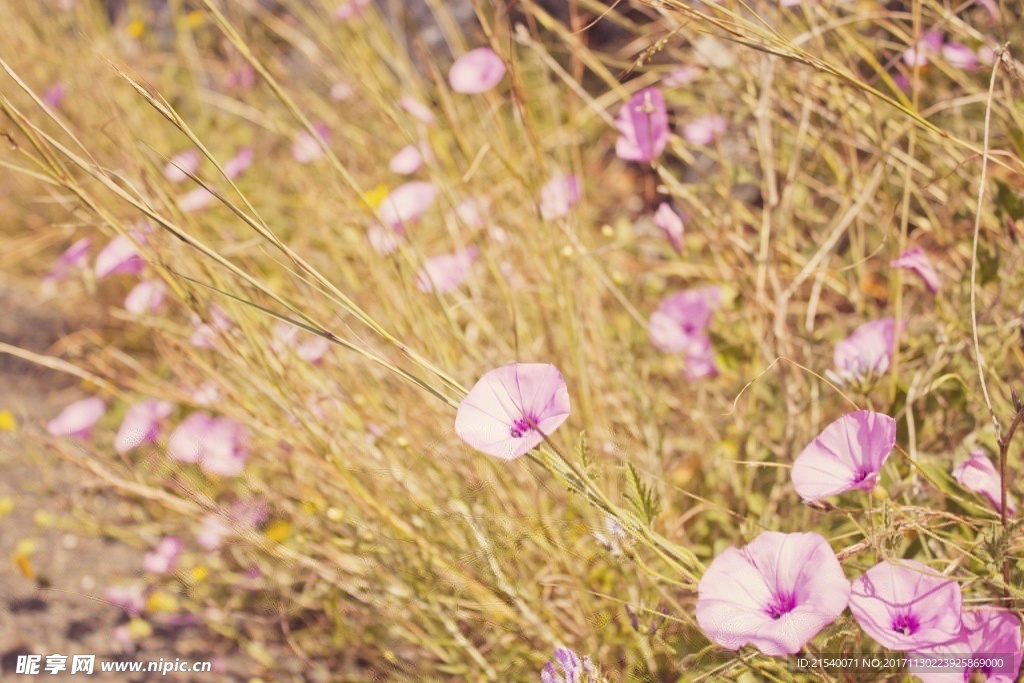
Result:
[[375, 196], [159, 601], [7, 421], [278, 531], [136, 28], [199, 574]]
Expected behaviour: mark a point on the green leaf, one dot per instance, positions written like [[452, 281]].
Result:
[[644, 499]]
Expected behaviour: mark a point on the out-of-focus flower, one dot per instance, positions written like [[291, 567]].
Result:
[[643, 127], [196, 199], [476, 71], [215, 528], [984, 633], [670, 223], [384, 240], [206, 394], [680, 76], [306, 148], [417, 110], [471, 211], [204, 335], [446, 272], [164, 557], [145, 297], [407, 202], [407, 161], [917, 260], [558, 195], [567, 667], [142, 423], [243, 78], [121, 256], [311, 349], [978, 474], [775, 594], [75, 257], [960, 56], [217, 445], [78, 419], [131, 598], [848, 454], [182, 165], [907, 607], [920, 54], [350, 9], [237, 164], [341, 91], [54, 95], [704, 130], [866, 353], [512, 408], [680, 326]]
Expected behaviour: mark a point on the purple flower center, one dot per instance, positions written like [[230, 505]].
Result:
[[784, 603], [905, 624], [522, 425], [862, 474]]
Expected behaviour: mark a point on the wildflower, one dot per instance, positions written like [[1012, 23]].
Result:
[[182, 165], [75, 256], [145, 297], [130, 598], [121, 256], [206, 394], [307, 148], [142, 423], [700, 360], [960, 56], [407, 202], [237, 164], [204, 335], [560, 194], [447, 272], [476, 71], [341, 91], [312, 349], [384, 240], [864, 354], [417, 110], [217, 445], [643, 127], [196, 199], [978, 474], [77, 419], [683, 75], [920, 54], [351, 9], [243, 516], [512, 408], [907, 606], [680, 326], [573, 669], [54, 95], [775, 594], [848, 454], [704, 130], [917, 260], [984, 633], [164, 556], [242, 78], [670, 223], [407, 161]]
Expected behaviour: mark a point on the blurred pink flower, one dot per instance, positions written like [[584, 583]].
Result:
[[471, 211], [130, 598], [512, 408], [476, 71], [446, 272], [919, 55], [573, 669], [237, 164], [306, 148], [643, 127], [987, 53], [182, 165], [682, 318], [865, 353], [960, 56], [142, 423], [204, 335], [244, 515], [384, 240], [206, 394], [217, 445], [341, 91], [680, 76], [670, 223], [309, 347], [121, 256], [350, 9], [700, 360], [917, 261], [75, 257], [77, 419], [145, 297], [848, 454], [775, 594], [907, 606], [417, 110], [407, 202], [978, 474], [704, 130], [407, 161], [560, 194], [243, 78], [54, 95], [984, 633], [163, 558], [196, 199]]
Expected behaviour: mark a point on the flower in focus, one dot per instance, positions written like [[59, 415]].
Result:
[[917, 260], [558, 195], [407, 161], [670, 223], [217, 445], [142, 423], [130, 598], [182, 165], [978, 474], [775, 594], [907, 606], [447, 272], [704, 130], [512, 408], [476, 71], [407, 202], [985, 634], [306, 147], [417, 110], [164, 556], [145, 297], [77, 419], [121, 256], [643, 127], [74, 257], [866, 353], [848, 454], [567, 667]]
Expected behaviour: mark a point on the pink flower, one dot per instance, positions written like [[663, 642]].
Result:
[[447, 272], [217, 445], [306, 148], [984, 634], [142, 423], [312, 349], [351, 9], [121, 256], [407, 202], [76, 256], [341, 91], [775, 594], [54, 95], [643, 127], [919, 55], [560, 194], [683, 75], [512, 408], [866, 353], [130, 598], [77, 419], [164, 556], [471, 211], [848, 454], [196, 199], [407, 161], [237, 164], [670, 223], [573, 669], [182, 165], [417, 110], [145, 297], [476, 71], [242, 78], [960, 56], [917, 261], [907, 606], [978, 474], [700, 360], [206, 394], [704, 130], [384, 240], [681, 319], [243, 516], [205, 335]]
